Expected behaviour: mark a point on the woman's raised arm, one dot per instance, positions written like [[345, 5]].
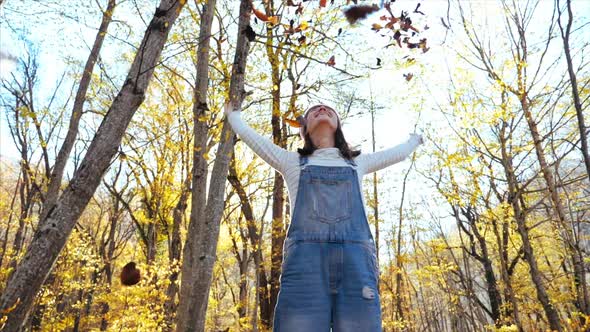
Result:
[[271, 153], [375, 161]]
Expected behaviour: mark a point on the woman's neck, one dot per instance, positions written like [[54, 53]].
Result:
[[323, 142]]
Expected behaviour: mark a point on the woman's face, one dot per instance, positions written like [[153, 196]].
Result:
[[322, 116]]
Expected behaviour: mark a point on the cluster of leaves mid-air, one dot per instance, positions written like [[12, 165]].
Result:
[[399, 29]]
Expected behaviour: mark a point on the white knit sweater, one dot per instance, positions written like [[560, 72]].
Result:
[[287, 162]]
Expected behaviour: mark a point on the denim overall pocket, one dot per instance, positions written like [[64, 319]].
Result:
[[330, 200]]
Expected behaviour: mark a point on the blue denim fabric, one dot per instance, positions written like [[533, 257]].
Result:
[[329, 277]]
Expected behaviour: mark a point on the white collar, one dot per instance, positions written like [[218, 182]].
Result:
[[329, 153]]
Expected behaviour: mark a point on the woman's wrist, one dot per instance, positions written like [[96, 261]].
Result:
[[229, 108], [417, 137]]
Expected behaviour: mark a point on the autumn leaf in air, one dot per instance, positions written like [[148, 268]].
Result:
[[417, 11], [302, 40], [263, 17], [356, 13], [332, 61], [130, 275], [422, 45], [298, 122], [397, 36], [299, 9], [293, 123], [376, 27]]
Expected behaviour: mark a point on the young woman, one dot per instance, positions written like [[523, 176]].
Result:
[[329, 271]]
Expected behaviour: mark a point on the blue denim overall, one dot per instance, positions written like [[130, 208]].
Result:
[[329, 276]]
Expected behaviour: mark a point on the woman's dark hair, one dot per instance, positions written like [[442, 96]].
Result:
[[339, 142]]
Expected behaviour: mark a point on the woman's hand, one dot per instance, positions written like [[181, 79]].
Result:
[[418, 137], [228, 108]]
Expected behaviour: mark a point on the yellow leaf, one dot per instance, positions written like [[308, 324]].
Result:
[[274, 20]]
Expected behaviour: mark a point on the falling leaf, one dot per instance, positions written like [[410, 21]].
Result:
[[422, 45], [332, 61], [271, 19], [260, 15], [130, 275], [406, 23], [356, 13], [299, 10], [249, 32], [397, 35], [376, 27], [293, 123], [416, 10]]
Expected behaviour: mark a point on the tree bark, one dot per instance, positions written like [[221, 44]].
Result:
[[278, 228], [203, 234], [256, 242], [175, 252], [57, 226], [565, 36], [514, 199], [64, 152]]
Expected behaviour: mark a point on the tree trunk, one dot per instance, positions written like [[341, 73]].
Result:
[[255, 240], [201, 246], [64, 152], [565, 36], [57, 226], [175, 252], [514, 198], [108, 258], [194, 291], [583, 303], [278, 228]]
